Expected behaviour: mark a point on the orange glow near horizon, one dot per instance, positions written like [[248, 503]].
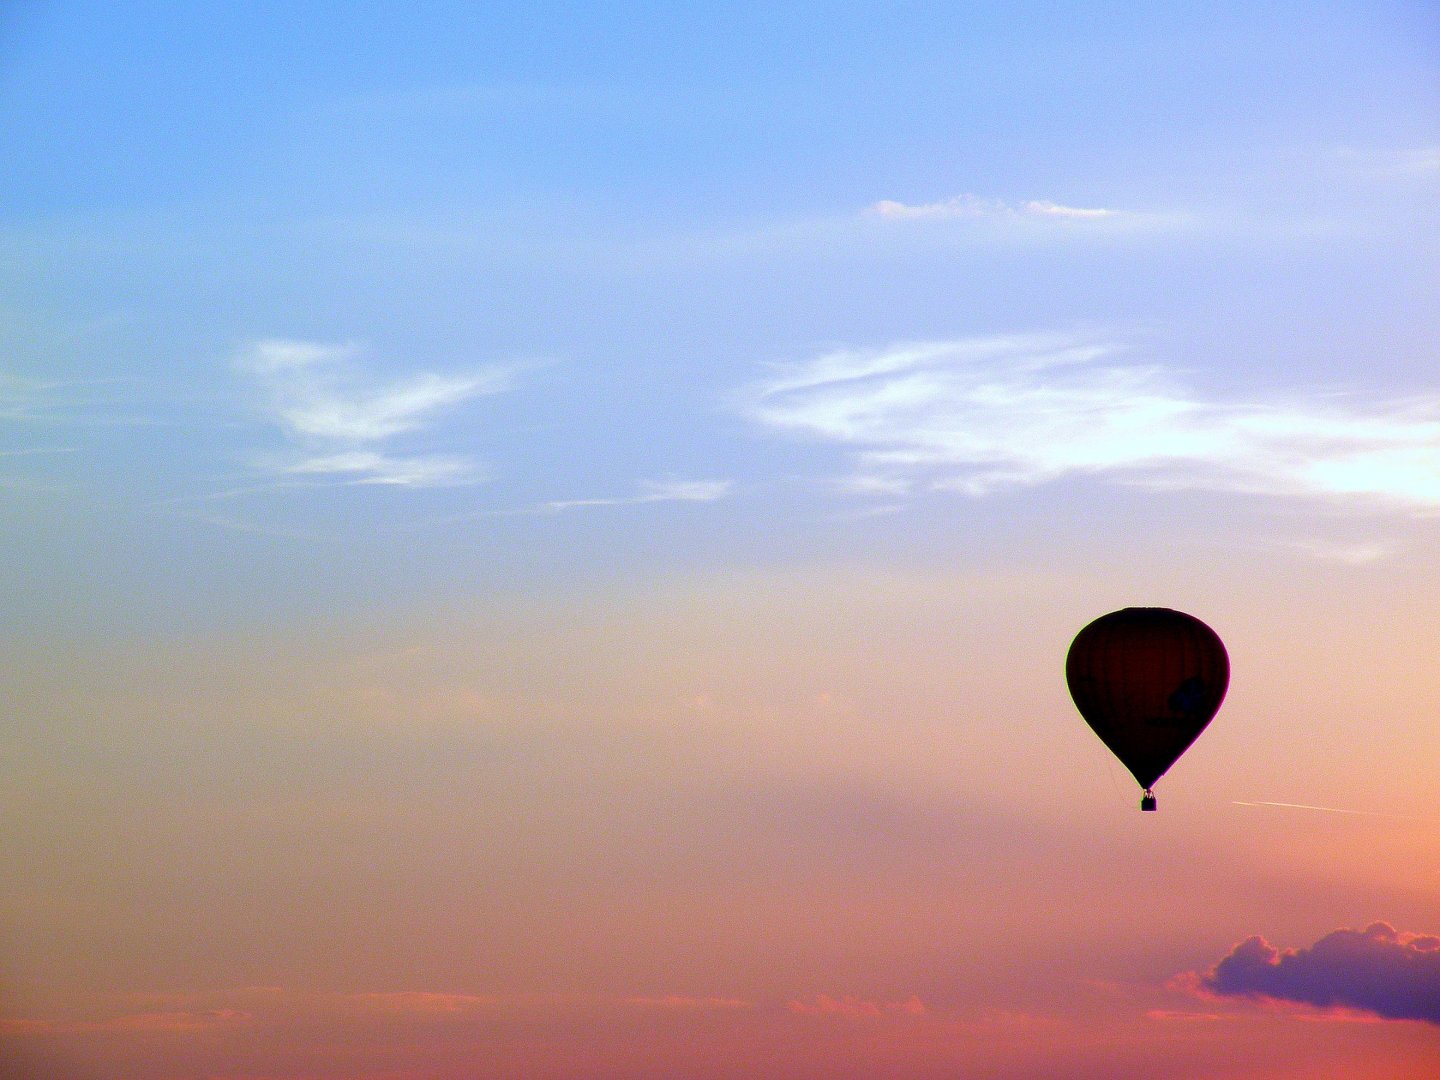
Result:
[[726, 841]]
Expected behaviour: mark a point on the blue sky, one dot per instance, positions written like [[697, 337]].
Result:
[[537, 269]]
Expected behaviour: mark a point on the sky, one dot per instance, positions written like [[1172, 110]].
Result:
[[540, 541]]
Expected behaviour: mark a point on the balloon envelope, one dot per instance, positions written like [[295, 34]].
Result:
[[1147, 681]]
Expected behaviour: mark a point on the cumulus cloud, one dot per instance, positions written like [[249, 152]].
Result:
[[961, 207], [979, 415], [316, 393], [1378, 970]]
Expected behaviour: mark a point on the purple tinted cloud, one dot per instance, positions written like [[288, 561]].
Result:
[[1379, 969]]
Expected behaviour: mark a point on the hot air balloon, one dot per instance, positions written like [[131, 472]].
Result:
[[1147, 681]]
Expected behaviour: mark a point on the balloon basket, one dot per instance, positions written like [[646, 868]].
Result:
[[1147, 801]]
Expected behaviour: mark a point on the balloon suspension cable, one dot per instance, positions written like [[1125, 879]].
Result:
[[1147, 801]]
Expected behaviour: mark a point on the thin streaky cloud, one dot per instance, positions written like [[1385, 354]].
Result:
[[69, 403], [849, 1005], [654, 492], [251, 528], [685, 1003], [319, 397], [982, 415], [377, 414], [267, 1006], [651, 492], [1360, 553], [372, 467], [1327, 809], [1045, 208], [961, 207], [274, 355], [423, 1002], [1178, 1016], [148, 1023], [1406, 163], [1424, 161]]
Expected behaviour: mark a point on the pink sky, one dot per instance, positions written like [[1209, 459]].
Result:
[[799, 825]]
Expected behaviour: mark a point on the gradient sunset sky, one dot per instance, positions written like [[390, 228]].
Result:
[[540, 540]]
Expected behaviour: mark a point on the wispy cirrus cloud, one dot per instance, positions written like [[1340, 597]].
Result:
[[39, 404], [655, 491], [650, 492], [343, 423], [419, 1002], [1349, 553], [372, 467], [1378, 970], [689, 1004], [172, 1022], [962, 207], [1390, 163], [851, 1006], [254, 1007], [980, 415], [1420, 162]]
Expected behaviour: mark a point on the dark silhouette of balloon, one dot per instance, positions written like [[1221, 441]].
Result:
[[1147, 681]]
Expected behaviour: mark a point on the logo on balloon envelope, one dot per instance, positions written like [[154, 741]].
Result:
[[1147, 681]]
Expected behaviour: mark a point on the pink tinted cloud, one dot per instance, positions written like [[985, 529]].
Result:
[[1180, 1016], [1378, 970], [682, 1003], [275, 1006], [849, 1005], [158, 1023], [420, 1002]]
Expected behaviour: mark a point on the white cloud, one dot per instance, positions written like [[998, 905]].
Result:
[[1424, 161], [1390, 163], [1353, 553], [973, 206], [317, 395], [1044, 208], [369, 467], [276, 355], [984, 414], [377, 414], [653, 491], [960, 206], [684, 490]]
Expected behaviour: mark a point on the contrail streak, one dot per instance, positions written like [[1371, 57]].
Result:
[[1326, 809]]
